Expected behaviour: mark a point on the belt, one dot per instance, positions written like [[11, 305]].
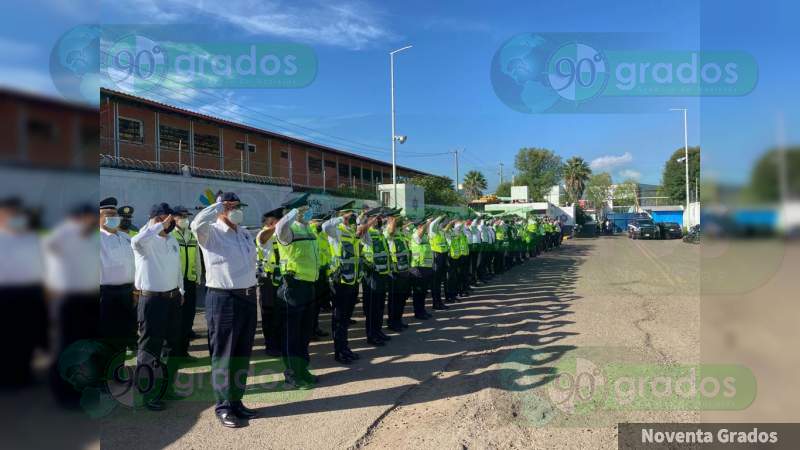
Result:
[[117, 286], [246, 291], [168, 294]]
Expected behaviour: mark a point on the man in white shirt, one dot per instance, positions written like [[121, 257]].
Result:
[[117, 312], [230, 256], [159, 281], [21, 294]]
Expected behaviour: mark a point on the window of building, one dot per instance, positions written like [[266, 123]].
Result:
[[284, 155], [39, 129], [330, 164], [131, 130], [355, 172], [314, 165], [366, 174], [171, 137], [344, 170], [207, 144], [241, 145]]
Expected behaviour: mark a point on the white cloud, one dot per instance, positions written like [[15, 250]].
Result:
[[630, 174], [349, 24], [609, 162]]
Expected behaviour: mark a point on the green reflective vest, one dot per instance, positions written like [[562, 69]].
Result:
[[398, 246], [346, 255], [377, 255], [455, 245], [187, 246], [325, 254], [421, 253], [301, 257], [439, 242]]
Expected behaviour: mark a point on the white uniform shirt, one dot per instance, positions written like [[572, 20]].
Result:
[[21, 263], [116, 258], [158, 260], [476, 235], [70, 257], [229, 254]]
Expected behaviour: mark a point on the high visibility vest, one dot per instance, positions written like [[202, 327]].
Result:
[[325, 254], [301, 257], [421, 253], [439, 242], [398, 247], [455, 246], [187, 247], [346, 256], [377, 255], [464, 244]]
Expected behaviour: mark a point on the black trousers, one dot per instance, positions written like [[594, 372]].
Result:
[[398, 296], [374, 286], [451, 279], [465, 273], [118, 316], [438, 277], [24, 330], [159, 324], [420, 284], [474, 258], [297, 299], [500, 261], [322, 296], [77, 318], [188, 311], [344, 300], [231, 316], [271, 315]]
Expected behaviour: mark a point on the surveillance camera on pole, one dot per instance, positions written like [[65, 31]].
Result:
[[401, 139]]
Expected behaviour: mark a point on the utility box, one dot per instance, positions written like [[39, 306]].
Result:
[[410, 197], [519, 194]]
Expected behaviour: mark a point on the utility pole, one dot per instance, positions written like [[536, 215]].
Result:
[[501, 173], [455, 155], [685, 151]]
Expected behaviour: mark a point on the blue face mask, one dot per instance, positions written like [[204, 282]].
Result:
[[112, 222], [307, 216]]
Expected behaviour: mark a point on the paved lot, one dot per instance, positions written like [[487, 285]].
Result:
[[474, 376]]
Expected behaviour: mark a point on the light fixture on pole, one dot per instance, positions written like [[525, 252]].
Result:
[[685, 153], [395, 138]]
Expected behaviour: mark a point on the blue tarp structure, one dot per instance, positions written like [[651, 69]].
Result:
[[668, 216]]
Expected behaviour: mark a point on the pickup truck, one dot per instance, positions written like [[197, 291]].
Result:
[[643, 229]]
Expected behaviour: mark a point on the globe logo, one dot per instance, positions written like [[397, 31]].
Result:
[[75, 64], [533, 73], [135, 63]]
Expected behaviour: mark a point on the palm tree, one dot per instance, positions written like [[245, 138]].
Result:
[[474, 184], [576, 174]]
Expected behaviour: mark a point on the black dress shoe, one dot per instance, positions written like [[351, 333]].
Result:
[[403, 325], [351, 354], [342, 358], [383, 336], [244, 412], [298, 383], [351, 322], [396, 328], [229, 419], [320, 333], [155, 405], [377, 342]]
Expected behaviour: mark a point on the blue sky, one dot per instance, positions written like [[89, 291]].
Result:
[[445, 98]]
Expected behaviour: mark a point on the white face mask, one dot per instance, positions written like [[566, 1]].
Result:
[[182, 223], [112, 222], [236, 216]]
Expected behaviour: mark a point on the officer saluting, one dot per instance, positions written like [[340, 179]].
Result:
[[229, 253], [192, 271], [126, 224], [117, 311]]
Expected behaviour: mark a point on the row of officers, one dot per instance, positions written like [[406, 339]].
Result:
[[295, 265]]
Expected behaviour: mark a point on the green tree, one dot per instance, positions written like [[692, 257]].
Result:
[[503, 189], [598, 190], [627, 194], [474, 184], [438, 190], [765, 177], [576, 174], [539, 169], [673, 179]]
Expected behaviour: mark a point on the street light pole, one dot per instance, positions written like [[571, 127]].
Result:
[[685, 153], [394, 136]]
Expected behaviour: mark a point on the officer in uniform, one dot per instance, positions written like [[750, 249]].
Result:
[[191, 270], [299, 252], [117, 269], [344, 236], [126, 225], [159, 282], [440, 248], [452, 283], [229, 252], [376, 280], [322, 290], [269, 278], [401, 264], [421, 267]]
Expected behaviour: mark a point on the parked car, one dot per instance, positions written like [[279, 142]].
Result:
[[669, 230], [642, 229]]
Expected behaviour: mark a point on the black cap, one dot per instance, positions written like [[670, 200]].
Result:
[[276, 213], [11, 203], [296, 202], [108, 203], [125, 210], [231, 197], [160, 209], [181, 210]]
